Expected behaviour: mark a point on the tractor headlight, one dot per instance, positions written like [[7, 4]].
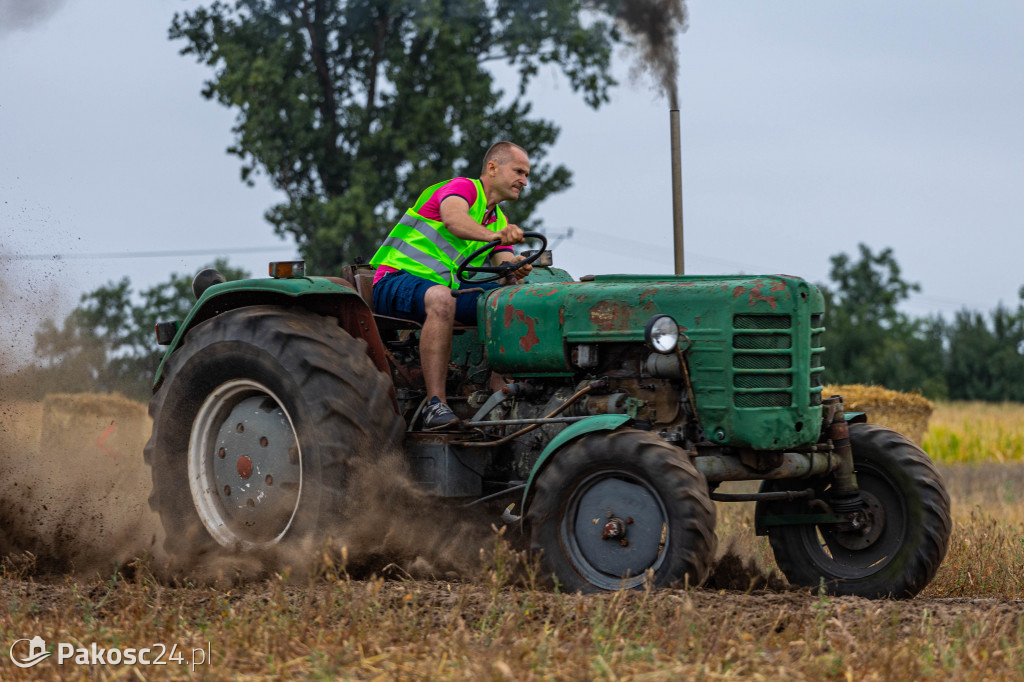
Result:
[[662, 334]]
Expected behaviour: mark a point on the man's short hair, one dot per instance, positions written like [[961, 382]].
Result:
[[500, 153]]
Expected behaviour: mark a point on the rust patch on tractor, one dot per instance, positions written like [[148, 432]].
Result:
[[530, 339], [739, 291], [647, 293], [610, 315], [561, 316], [756, 295]]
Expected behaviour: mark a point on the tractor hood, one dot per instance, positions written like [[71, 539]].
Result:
[[753, 343], [530, 328]]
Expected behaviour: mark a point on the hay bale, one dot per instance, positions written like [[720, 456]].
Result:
[[19, 423], [907, 413], [85, 505], [92, 432]]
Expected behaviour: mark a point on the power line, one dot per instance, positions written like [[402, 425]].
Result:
[[144, 254]]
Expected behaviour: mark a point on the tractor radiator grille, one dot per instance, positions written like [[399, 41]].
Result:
[[762, 361], [764, 371], [762, 322], [817, 353]]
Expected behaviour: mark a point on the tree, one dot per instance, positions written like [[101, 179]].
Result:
[[868, 339], [985, 361], [107, 343], [352, 108]]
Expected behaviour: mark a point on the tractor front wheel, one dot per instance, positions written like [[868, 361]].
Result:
[[902, 535], [613, 510]]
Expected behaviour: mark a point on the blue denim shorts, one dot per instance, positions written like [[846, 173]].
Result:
[[400, 294]]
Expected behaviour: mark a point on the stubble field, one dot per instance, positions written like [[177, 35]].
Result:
[[432, 596]]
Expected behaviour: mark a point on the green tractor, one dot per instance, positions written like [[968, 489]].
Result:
[[628, 400]]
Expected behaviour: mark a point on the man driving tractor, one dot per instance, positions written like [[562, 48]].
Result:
[[415, 277]]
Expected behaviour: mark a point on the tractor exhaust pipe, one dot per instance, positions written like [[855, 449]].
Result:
[[677, 193]]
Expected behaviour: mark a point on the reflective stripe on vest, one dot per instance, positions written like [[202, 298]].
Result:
[[425, 248]]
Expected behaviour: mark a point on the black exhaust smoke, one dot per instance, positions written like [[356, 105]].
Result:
[[655, 24]]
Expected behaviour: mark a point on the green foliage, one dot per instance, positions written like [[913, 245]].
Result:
[[107, 343], [869, 340], [870, 289], [974, 357], [352, 108], [985, 361]]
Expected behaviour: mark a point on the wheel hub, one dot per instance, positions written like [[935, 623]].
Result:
[[244, 467], [865, 526], [625, 546], [244, 476], [614, 529]]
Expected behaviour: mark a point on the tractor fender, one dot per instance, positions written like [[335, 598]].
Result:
[[331, 296], [599, 422]]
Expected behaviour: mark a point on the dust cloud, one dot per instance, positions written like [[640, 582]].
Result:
[[391, 521], [738, 570], [75, 489], [73, 486], [388, 527]]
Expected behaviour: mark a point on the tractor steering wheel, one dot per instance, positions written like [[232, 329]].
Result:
[[497, 271]]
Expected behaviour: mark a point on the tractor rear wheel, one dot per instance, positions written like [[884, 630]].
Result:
[[614, 510], [896, 550], [255, 427]]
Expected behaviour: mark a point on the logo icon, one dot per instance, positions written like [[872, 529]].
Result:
[[36, 652]]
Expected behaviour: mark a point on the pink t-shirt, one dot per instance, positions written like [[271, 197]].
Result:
[[462, 187]]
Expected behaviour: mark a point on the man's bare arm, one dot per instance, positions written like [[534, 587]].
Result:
[[455, 216]]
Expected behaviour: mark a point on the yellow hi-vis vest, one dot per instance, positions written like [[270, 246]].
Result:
[[425, 248]]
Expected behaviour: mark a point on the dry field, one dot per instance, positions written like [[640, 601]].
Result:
[[82, 568]]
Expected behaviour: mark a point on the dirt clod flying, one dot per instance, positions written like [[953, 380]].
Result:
[[735, 570]]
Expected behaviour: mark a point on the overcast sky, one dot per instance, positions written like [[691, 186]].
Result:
[[807, 127]]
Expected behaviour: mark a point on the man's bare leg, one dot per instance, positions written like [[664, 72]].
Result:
[[436, 339]]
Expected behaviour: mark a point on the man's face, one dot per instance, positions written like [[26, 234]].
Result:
[[510, 177]]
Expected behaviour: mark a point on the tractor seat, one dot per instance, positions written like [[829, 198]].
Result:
[[364, 285], [362, 280]]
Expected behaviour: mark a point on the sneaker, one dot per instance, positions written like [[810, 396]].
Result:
[[438, 415]]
